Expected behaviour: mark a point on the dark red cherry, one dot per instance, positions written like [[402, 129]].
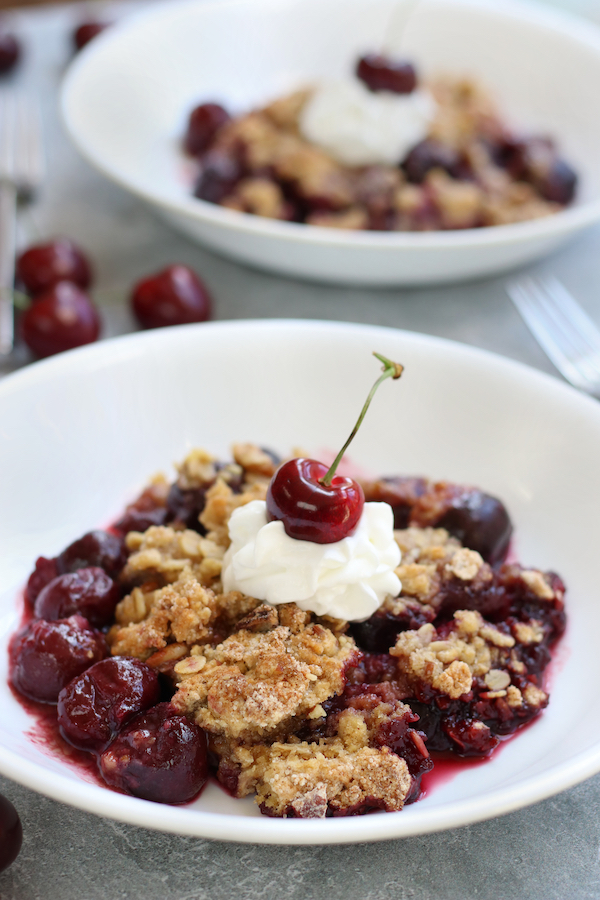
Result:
[[89, 592], [96, 548], [42, 266], [45, 571], [11, 834], [47, 655], [313, 502], [380, 73], [173, 296], [60, 319], [310, 510], [86, 32], [219, 174], [96, 705], [10, 52], [429, 154], [203, 124], [159, 756]]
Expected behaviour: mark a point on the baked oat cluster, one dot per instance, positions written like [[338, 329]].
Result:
[[469, 170], [314, 716]]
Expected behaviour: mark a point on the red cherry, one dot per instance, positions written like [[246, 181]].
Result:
[[309, 509], [313, 502], [60, 319], [204, 122], [85, 32], [11, 834], [173, 296], [380, 73], [10, 51], [42, 266]]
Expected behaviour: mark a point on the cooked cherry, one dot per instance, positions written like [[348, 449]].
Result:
[[96, 548], [219, 175], [61, 318], [94, 707], [481, 523], [426, 155], [558, 184], [173, 296], [380, 73], [204, 123], [159, 756], [42, 266], [10, 51], [47, 655], [89, 592], [86, 32], [11, 834], [313, 502], [45, 571], [185, 506]]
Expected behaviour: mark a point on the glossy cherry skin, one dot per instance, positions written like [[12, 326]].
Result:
[[159, 756], [45, 571], [11, 833], [47, 655], [10, 52], [60, 319], [42, 266], [96, 548], [309, 510], [173, 296], [96, 705], [380, 73], [86, 32], [89, 592], [203, 124]]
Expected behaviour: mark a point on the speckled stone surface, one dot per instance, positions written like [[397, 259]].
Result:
[[547, 852]]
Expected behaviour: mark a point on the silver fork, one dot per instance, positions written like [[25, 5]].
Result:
[[21, 172], [567, 334]]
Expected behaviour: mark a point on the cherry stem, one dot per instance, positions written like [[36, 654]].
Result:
[[390, 370]]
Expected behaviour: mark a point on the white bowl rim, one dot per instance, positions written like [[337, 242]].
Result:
[[573, 217], [103, 802]]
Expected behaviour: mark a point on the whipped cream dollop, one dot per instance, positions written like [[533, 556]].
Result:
[[346, 580], [359, 127]]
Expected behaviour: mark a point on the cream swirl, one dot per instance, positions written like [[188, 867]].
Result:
[[359, 127], [346, 580]]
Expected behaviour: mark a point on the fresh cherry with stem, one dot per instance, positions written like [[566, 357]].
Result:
[[313, 502]]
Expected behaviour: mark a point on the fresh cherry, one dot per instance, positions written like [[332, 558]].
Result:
[[173, 296], [88, 591], [86, 32], [61, 318], [159, 756], [11, 834], [380, 73], [313, 502], [47, 655], [42, 266], [96, 705], [204, 122], [96, 548], [10, 51]]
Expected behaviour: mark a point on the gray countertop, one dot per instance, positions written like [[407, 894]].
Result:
[[551, 850]]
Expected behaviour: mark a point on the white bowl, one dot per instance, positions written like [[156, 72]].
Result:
[[82, 432], [125, 102]]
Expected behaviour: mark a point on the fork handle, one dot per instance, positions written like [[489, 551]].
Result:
[[8, 216]]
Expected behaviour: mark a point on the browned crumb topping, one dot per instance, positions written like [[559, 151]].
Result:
[[255, 683]]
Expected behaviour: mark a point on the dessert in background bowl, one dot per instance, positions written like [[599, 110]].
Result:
[[380, 151], [127, 97], [457, 413]]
